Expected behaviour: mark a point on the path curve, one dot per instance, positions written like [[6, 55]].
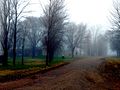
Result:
[[81, 74]]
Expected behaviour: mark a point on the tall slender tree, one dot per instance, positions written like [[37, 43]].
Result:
[[23, 33], [18, 9], [53, 21], [5, 24], [34, 34], [75, 36]]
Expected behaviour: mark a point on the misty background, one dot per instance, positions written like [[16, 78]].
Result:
[[94, 13], [51, 28]]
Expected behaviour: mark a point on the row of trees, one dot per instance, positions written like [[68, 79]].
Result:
[[84, 41], [54, 20], [51, 32], [18, 33], [10, 15]]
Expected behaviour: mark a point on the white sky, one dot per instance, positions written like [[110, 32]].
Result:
[[92, 12]]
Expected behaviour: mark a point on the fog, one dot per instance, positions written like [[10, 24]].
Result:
[[93, 12], [50, 28]]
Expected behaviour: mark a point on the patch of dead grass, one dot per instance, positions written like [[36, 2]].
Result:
[[110, 68]]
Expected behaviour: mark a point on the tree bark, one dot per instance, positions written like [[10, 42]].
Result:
[[47, 58], [15, 34], [14, 48], [5, 49], [23, 52], [5, 58], [73, 53], [33, 51]]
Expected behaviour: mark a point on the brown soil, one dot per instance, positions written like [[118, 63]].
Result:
[[81, 74]]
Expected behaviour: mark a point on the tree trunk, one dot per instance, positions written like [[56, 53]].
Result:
[[33, 52], [51, 57], [14, 48], [47, 58], [23, 53], [15, 34], [5, 55], [5, 58], [73, 53]]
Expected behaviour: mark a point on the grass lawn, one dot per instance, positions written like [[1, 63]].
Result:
[[30, 67], [30, 63]]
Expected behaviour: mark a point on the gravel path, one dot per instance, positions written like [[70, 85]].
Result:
[[81, 74]]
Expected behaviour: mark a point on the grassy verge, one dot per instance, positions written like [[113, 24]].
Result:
[[30, 67], [110, 68]]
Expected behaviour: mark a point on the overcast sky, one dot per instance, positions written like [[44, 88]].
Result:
[[92, 12]]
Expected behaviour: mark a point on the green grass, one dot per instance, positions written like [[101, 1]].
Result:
[[30, 67], [31, 63], [21, 67]]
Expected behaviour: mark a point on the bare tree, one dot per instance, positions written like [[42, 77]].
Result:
[[85, 42], [5, 24], [53, 21], [87, 45], [95, 32], [18, 8], [102, 44], [75, 36], [71, 37], [115, 32], [23, 33], [82, 34], [96, 42], [35, 33]]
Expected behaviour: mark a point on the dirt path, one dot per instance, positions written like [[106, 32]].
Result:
[[79, 75]]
